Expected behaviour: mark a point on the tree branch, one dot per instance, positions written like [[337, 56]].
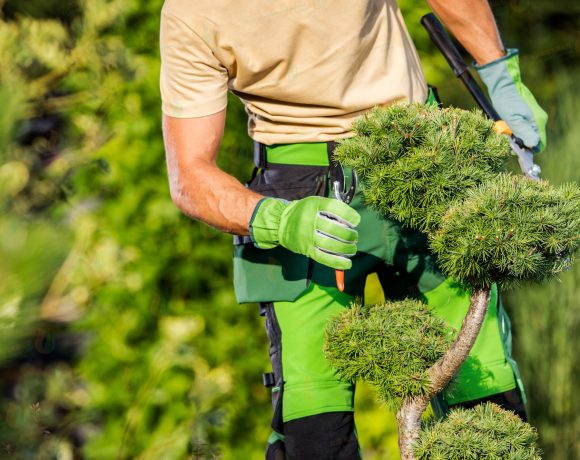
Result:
[[409, 416]]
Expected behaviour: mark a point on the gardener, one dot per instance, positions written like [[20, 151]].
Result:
[[305, 69]]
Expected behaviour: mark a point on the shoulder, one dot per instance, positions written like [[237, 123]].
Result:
[[194, 11], [204, 18]]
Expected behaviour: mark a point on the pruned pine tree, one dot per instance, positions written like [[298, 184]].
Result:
[[442, 172]]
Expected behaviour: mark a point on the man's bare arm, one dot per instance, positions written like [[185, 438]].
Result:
[[473, 24], [198, 187]]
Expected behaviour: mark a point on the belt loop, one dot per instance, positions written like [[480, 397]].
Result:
[[260, 155], [268, 379], [335, 172], [330, 146]]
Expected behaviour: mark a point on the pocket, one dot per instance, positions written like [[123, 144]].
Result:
[[290, 182], [274, 275]]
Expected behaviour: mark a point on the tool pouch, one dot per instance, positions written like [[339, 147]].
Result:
[[272, 275]]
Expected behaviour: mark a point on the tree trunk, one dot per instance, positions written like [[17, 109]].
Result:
[[409, 416], [409, 424]]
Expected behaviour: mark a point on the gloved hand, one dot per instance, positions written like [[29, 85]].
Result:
[[513, 101], [317, 227]]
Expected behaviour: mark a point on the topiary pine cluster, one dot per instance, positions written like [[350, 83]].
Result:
[[486, 431], [415, 160], [380, 344], [438, 171], [509, 229], [441, 172]]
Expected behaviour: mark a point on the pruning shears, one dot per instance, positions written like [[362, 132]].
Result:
[[346, 196], [450, 52]]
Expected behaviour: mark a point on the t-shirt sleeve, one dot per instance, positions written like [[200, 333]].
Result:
[[193, 82]]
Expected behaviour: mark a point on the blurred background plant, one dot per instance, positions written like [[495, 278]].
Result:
[[120, 336]]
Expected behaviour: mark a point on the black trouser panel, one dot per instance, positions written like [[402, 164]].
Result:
[[508, 400], [329, 436], [276, 451], [275, 339]]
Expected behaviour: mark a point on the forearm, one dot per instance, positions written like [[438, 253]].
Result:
[[216, 198], [198, 187], [473, 24]]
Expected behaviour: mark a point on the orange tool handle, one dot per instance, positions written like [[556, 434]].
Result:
[[501, 127], [339, 279]]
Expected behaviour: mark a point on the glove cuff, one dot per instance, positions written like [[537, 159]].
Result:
[[265, 222], [510, 53], [508, 65]]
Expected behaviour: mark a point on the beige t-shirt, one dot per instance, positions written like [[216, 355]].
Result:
[[305, 69]]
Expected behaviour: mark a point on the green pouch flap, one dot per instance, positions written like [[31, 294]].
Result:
[[268, 275], [277, 274]]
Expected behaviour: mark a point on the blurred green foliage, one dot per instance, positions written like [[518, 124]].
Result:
[[120, 333]]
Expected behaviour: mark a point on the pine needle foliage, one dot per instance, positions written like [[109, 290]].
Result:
[[416, 159], [389, 345], [440, 171], [486, 431], [509, 229]]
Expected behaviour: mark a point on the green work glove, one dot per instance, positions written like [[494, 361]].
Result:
[[317, 227], [513, 101]]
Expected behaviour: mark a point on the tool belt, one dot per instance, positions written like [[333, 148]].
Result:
[[290, 172]]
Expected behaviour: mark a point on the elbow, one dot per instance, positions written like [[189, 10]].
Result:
[[176, 196], [183, 199]]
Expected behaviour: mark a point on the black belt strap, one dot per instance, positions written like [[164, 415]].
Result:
[[260, 155], [330, 146]]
